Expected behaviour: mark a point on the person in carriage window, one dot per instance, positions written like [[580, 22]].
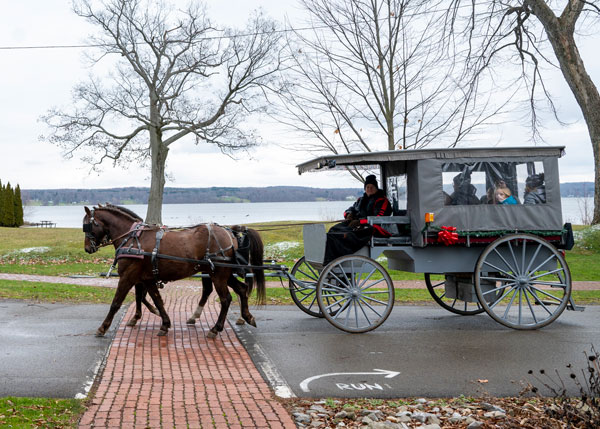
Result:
[[535, 190], [355, 232], [504, 196], [464, 191]]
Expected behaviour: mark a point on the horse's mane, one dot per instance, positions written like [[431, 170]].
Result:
[[118, 209]]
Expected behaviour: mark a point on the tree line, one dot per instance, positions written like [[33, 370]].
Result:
[[139, 195], [11, 206]]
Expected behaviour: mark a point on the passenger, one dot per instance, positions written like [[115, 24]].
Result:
[[535, 190], [504, 196], [355, 232], [464, 191], [488, 198]]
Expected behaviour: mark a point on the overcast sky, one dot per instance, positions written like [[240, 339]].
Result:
[[35, 80]]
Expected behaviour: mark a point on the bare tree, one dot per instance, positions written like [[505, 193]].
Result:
[[375, 75], [173, 76], [521, 31]]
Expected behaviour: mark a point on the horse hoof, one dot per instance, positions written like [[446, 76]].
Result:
[[191, 321], [161, 333], [99, 333], [211, 334], [240, 321], [252, 321], [131, 323]]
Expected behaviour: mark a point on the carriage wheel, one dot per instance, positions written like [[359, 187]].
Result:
[[304, 290], [522, 281], [359, 289], [438, 293]]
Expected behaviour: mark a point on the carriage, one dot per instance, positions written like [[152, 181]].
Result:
[[507, 260]]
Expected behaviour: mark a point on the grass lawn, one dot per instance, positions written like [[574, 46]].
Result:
[[40, 412], [54, 292]]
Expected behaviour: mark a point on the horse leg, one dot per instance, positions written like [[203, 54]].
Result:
[[241, 289], [140, 294], [207, 288], [123, 288], [150, 307], [220, 283], [155, 295]]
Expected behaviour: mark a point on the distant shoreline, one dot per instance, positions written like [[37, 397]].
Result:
[[219, 195]]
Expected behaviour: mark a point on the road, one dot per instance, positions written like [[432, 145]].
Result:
[[49, 350], [426, 350]]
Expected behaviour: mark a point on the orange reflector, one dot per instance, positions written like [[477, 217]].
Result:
[[428, 217]]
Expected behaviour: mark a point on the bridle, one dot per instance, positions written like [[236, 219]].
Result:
[[88, 228]]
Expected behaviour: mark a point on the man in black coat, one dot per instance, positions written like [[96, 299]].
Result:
[[355, 232]]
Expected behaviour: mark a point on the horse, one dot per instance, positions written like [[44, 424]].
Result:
[[149, 256]]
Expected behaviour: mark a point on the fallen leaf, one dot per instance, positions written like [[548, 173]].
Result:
[[481, 381]]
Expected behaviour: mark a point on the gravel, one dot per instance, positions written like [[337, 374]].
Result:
[[422, 413]]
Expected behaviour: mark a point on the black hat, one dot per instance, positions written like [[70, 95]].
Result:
[[535, 180], [372, 180]]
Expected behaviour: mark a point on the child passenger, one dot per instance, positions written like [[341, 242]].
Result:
[[504, 196]]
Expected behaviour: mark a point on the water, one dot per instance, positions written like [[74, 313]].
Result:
[[192, 214], [242, 213]]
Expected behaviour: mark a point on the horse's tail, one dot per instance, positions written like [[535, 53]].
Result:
[[256, 258]]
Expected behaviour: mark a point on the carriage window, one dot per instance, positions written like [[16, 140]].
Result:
[[463, 187], [531, 182], [507, 183], [396, 193]]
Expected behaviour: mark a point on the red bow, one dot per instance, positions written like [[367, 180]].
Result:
[[447, 235]]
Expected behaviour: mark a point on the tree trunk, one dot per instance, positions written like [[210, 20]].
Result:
[[587, 97], [560, 34], [157, 183]]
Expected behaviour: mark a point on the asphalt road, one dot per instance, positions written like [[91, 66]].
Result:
[[426, 350], [49, 350]]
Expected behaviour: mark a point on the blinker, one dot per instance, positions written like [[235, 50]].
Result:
[[87, 227]]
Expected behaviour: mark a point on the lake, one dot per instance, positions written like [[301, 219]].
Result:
[[242, 213]]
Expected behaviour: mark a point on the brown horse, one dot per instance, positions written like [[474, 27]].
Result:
[[181, 253]]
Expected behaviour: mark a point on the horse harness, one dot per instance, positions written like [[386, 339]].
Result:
[[134, 250]]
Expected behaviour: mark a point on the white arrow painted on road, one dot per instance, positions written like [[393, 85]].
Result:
[[384, 372]]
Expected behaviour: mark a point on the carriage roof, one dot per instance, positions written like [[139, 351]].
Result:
[[376, 158]]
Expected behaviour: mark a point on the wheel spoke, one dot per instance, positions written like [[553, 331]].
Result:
[[365, 313], [342, 309], [342, 282], [540, 302], [505, 263], [503, 296], [512, 252], [370, 307], [495, 290], [549, 295], [553, 284], [497, 279], [372, 284], [439, 284], [543, 263], [533, 258], [523, 258], [512, 299], [360, 285], [312, 277], [499, 269], [376, 300], [520, 304], [547, 273], [335, 288]]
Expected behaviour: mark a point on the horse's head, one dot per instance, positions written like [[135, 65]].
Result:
[[95, 231]]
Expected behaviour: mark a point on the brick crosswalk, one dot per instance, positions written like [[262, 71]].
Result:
[[183, 380]]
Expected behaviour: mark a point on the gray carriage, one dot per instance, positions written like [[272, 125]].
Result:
[[448, 223]]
